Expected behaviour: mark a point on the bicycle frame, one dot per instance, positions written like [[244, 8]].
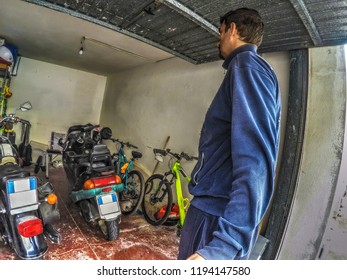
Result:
[[122, 168], [133, 191], [158, 199], [182, 202]]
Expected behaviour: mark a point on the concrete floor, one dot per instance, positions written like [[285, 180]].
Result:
[[137, 240]]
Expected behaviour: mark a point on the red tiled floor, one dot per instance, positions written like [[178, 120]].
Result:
[[137, 239]]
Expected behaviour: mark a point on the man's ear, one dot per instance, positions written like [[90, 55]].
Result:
[[233, 30]]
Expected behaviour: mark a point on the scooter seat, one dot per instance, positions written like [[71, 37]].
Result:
[[11, 171], [101, 159], [8, 160], [100, 149]]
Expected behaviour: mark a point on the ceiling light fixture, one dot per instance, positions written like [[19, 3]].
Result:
[[82, 45]]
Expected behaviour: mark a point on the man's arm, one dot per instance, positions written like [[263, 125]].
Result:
[[253, 156]]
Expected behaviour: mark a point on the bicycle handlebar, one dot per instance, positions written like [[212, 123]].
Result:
[[87, 128], [73, 155], [176, 155], [188, 157], [129, 145], [11, 118]]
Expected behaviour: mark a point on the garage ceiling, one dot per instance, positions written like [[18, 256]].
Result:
[[141, 31]]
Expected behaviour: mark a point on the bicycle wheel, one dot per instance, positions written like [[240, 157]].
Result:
[[131, 197], [38, 164], [156, 204]]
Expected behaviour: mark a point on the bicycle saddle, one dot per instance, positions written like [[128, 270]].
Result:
[[136, 154]]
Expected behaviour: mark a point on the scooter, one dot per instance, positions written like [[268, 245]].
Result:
[[28, 209], [93, 183]]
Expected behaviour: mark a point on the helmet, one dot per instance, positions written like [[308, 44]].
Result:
[[8, 54]]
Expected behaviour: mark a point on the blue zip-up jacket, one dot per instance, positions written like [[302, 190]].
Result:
[[234, 176]]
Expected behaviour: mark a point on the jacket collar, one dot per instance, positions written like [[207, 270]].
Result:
[[244, 48]]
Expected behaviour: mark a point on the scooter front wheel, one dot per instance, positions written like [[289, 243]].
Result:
[[110, 229]]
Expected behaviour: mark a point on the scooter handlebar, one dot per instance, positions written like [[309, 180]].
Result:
[[73, 155]]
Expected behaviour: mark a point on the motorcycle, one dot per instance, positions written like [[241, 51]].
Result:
[[28, 207], [93, 183]]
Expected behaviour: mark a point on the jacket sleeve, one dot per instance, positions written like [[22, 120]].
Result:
[[254, 146]]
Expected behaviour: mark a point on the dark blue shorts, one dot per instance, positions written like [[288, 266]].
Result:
[[197, 232]]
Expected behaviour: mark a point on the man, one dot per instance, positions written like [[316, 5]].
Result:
[[233, 180]]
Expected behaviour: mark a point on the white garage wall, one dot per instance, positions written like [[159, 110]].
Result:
[[60, 97], [150, 103], [147, 104], [313, 211]]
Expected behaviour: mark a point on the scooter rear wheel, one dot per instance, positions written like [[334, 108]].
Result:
[[110, 229]]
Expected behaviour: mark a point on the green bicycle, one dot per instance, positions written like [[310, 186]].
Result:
[[131, 197], [157, 201]]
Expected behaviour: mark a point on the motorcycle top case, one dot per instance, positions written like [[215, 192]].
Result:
[[20, 188]]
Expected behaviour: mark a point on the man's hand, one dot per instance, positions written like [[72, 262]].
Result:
[[195, 257]]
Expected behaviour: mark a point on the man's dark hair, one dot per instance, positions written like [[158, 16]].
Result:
[[248, 22]]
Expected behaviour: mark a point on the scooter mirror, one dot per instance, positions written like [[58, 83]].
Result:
[[25, 106], [159, 157], [106, 133]]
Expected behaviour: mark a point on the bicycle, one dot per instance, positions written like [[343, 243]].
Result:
[[132, 194], [48, 158], [51, 156], [157, 201]]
